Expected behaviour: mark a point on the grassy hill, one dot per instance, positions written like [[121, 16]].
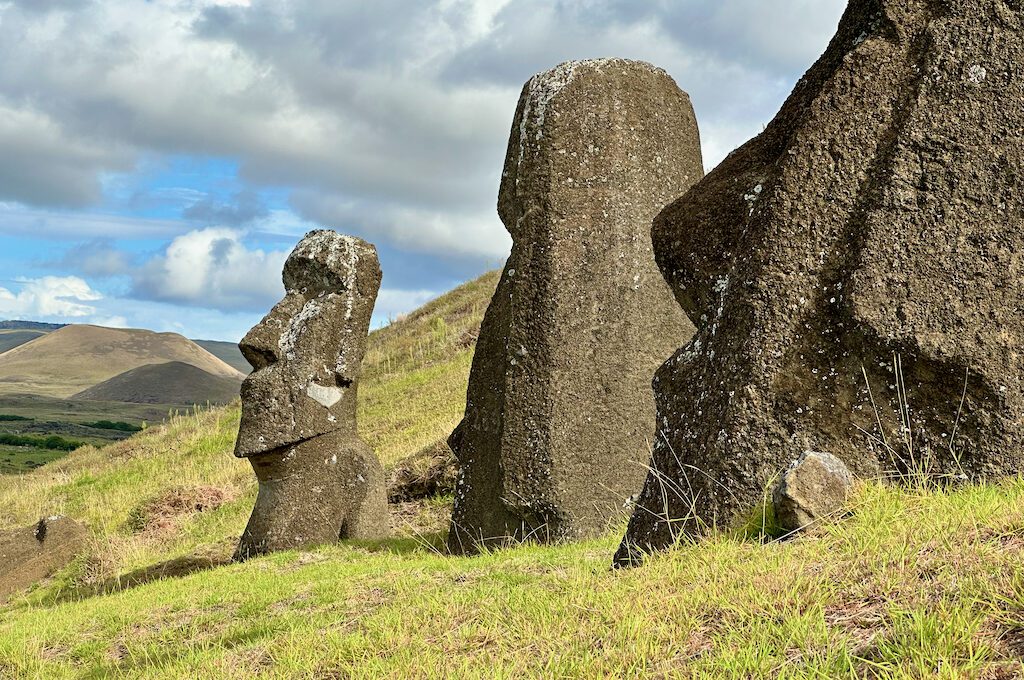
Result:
[[173, 382], [227, 352], [920, 582], [9, 339], [76, 357], [16, 333]]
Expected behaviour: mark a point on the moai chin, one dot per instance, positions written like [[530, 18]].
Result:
[[855, 272], [560, 411], [318, 481]]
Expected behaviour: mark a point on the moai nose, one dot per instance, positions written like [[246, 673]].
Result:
[[261, 345]]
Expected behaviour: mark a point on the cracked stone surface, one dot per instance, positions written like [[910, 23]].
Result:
[[560, 409], [855, 273], [318, 481]]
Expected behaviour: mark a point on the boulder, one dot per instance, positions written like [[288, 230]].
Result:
[[318, 481], [560, 412], [814, 488], [855, 272], [31, 554]]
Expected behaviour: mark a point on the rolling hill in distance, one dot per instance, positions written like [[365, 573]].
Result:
[[173, 382], [227, 352], [16, 333], [64, 362], [9, 339]]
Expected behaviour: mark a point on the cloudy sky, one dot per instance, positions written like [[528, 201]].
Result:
[[159, 158]]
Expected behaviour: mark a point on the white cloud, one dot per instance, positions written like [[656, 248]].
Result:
[[393, 302], [49, 297], [17, 220], [212, 268], [401, 109], [110, 321], [423, 230]]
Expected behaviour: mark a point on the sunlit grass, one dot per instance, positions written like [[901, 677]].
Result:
[[919, 582], [916, 584]]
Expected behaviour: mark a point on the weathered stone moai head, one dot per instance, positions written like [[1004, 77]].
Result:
[[559, 410], [855, 273], [318, 480]]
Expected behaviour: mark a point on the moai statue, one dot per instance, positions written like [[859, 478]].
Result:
[[855, 272], [318, 481], [560, 411]]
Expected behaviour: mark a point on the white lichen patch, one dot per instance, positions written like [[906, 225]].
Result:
[[341, 253], [751, 196], [977, 74], [325, 396], [289, 339]]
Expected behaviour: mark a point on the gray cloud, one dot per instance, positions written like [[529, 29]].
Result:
[[245, 207], [18, 220], [43, 6], [98, 257], [391, 117]]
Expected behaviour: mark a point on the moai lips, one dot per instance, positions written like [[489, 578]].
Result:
[[560, 411], [855, 273], [318, 481]]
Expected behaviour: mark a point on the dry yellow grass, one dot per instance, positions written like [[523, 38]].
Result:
[[66, 361]]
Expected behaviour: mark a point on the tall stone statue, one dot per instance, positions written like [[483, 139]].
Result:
[[857, 272], [318, 481], [560, 412]]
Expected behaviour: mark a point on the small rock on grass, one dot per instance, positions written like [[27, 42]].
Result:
[[814, 487]]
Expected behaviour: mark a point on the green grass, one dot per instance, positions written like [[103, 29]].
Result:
[[19, 459], [919, 582], [412, 394]]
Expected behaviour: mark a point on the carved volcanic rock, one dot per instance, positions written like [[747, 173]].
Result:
[[876, 221], [318, 480], [560, 410]]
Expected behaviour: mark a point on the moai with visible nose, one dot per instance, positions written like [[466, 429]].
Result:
[[318, 481]]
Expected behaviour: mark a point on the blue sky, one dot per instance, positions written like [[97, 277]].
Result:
[[159, 159]]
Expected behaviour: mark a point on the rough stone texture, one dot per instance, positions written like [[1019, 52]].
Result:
[[878, 216], [814, 488], [560, 411], [318, 481], [31, 554]]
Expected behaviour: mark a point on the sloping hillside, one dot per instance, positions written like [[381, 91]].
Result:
[[412, 394], [920, 582], [227, 352], [173, 382], [16, 333], [9, 339], [76, 357]]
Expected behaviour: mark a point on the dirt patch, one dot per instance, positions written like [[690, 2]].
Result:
[[429, 473], [861, 620], [165, 512], [33, 553]]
